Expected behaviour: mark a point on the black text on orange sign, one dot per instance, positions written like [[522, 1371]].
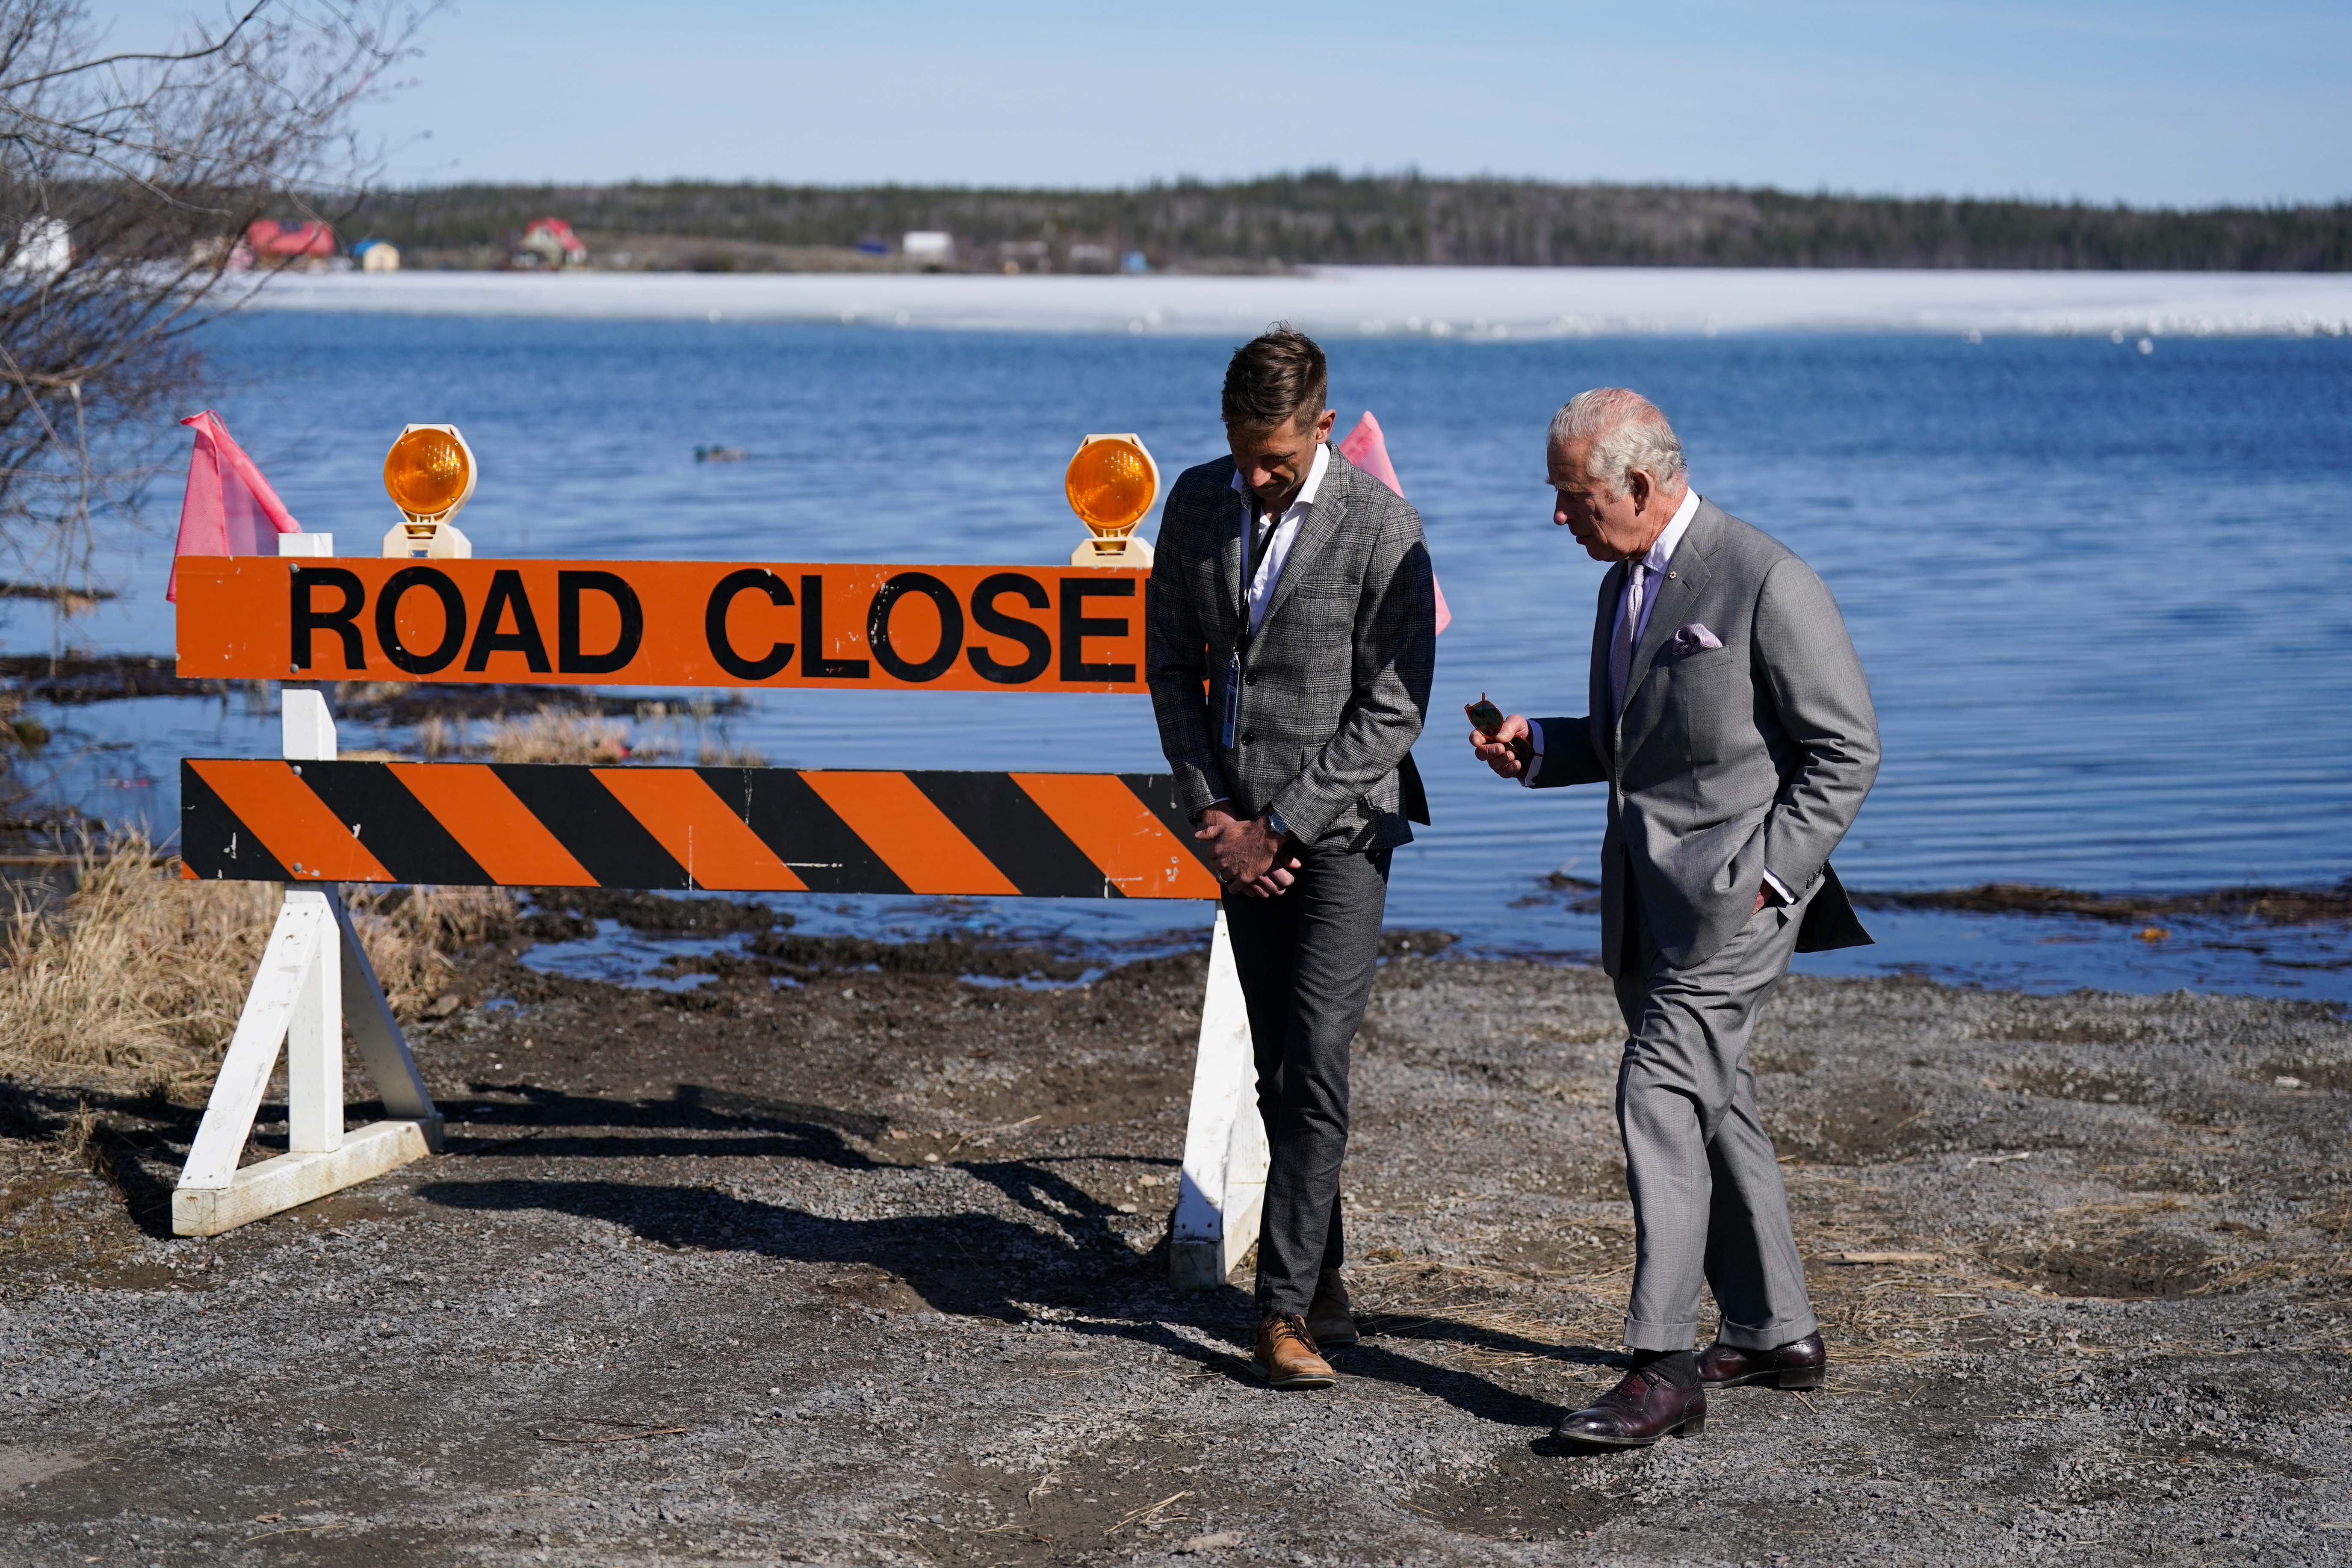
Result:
[[663, 622]]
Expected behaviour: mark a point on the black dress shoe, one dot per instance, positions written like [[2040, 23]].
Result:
[[1797, 1364], [1637, 1413]]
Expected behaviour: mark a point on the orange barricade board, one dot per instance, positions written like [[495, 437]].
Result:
[[1069, 836], [662, 622]]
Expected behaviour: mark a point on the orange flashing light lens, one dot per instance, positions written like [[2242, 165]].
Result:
[[426, 471], [1111, 483]]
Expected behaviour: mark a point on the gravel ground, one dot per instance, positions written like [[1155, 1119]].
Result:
[[841, 1258]]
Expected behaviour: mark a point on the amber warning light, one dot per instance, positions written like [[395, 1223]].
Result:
[[1111, 484], [429, 475]]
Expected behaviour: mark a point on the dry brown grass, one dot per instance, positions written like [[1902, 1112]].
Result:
[[549, 735], [566, 735], [554, 735], [135, 977]]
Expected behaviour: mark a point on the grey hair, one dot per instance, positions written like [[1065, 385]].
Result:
[[1627, 432]]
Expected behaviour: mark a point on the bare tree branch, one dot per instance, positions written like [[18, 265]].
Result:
[[181, 58], [152, 164]]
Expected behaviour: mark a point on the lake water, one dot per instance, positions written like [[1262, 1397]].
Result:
[[2105, 596]]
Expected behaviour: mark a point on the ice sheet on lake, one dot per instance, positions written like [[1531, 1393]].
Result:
[[1473, 302]]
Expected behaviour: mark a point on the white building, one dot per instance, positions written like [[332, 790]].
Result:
[[931, 247], [44, 247]]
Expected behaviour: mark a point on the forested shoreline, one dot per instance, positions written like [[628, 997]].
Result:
[[1373, 220]]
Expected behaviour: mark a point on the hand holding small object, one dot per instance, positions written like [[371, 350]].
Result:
[[1502, 740]]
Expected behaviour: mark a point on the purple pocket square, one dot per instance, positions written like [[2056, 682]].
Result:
[[1695, 637]]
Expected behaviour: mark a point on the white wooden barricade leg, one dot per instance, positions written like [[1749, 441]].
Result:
[[314, 978], [1223, 1186]]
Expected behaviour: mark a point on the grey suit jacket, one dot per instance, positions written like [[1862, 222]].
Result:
[[1336, 683], [1726, 760]]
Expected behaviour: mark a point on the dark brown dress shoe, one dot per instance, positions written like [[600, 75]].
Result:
[[1331, 1321], [1286, 1354], [1637, 1413], [1799, 1363]]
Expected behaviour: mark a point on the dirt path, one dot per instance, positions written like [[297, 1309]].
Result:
[[828, 1263]]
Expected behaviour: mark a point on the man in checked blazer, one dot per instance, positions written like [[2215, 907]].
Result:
[[1296, 589], [1732, 724]]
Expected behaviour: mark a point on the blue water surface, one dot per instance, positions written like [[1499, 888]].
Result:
[[2105, 597]]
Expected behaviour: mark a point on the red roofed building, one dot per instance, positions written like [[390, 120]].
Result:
[[549, 242], [275, 239]]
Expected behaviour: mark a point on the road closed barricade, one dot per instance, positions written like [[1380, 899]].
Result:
[[431, 613], [663, 623]]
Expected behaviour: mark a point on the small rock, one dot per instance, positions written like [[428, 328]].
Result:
[[2287, 1080], [441, 1007], [1223, 1540]]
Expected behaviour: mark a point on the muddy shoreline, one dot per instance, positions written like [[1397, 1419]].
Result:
[[843, 1256], [78, 679]]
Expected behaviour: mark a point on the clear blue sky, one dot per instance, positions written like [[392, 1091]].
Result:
[[2153, 102]]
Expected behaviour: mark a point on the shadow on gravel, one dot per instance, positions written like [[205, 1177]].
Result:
[[1466, 1392], [773, 1128], [982, 1266], [134, 1143], [963, 1265]]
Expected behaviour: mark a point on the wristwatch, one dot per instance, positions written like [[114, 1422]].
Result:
[[1274, 820]]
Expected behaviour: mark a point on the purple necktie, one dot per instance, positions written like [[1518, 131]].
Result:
[[1621, 644]]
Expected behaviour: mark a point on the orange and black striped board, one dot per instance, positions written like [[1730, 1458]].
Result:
[[1068, 836]]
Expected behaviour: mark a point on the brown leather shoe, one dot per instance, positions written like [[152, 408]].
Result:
[[1637, 1413], [1286, 1354], [1330, 1319], [1800, 1363]]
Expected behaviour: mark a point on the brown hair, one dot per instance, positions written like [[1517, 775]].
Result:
[[1275, 377]]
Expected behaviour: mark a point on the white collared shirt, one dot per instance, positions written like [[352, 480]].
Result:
[[1286, 532], [1660, 553]]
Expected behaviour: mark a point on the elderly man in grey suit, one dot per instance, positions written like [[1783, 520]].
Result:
[[1296, 588], [1732, 724]]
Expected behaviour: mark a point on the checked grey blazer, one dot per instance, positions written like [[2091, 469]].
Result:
[[1337, 679], [1750, 750]]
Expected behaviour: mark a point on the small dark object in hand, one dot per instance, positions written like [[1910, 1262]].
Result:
[[1485, 718]]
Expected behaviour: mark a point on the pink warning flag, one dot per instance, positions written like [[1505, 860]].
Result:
[[230, 509], [1369, 450]]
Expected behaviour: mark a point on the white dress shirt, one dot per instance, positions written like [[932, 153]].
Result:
[[1277, 548], [1286, 532], [1660, 553]]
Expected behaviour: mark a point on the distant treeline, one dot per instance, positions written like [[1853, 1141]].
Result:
[[1400, 219]]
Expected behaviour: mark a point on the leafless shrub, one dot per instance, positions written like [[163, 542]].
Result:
[[125, 180]]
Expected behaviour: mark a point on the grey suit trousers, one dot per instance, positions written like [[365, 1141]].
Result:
[[1305, 961], [1708, 1204]]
